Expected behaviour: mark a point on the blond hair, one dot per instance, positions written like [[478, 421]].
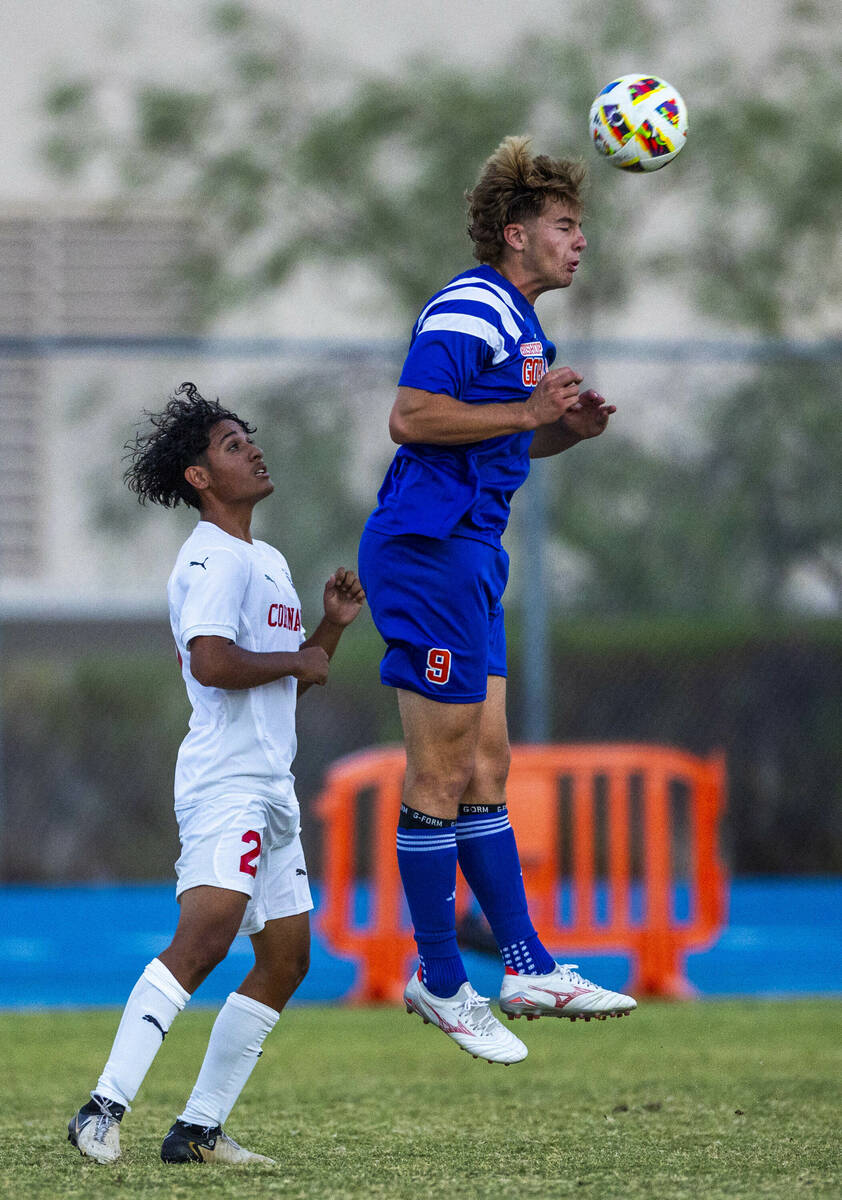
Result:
[[513, 186]]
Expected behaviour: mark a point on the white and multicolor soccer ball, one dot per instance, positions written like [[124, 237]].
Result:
[[639, 122]]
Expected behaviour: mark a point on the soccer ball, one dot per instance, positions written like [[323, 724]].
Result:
[[639, 122]]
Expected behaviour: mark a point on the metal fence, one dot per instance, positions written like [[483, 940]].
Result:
[[93, 709]]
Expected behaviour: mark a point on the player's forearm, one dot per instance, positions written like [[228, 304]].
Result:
[[232, 668], [326, 635], [438, 419]]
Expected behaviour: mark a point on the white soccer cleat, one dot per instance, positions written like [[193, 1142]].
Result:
[[95, 1129], [202, 1143], [561, 993], [467, 1019]]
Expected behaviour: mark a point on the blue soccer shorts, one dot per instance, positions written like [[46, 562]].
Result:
[[436, 603]]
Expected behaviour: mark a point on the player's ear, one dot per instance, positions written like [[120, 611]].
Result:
[[514, 236], [197, 477]]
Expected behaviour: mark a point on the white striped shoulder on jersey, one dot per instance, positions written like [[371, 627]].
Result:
[[475, 306]]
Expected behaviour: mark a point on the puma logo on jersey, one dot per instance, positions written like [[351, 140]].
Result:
[[201, 564], [272, 581]]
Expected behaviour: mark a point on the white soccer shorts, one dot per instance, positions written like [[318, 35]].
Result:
[[246, 844]]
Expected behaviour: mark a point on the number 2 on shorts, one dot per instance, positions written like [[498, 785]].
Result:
[[438, 666], [247, 865]]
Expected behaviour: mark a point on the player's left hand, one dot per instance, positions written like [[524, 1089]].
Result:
[[588, 417], [344, 597]]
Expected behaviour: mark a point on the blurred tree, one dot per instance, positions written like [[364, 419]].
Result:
[[319, 504], [403, 152], [222, 149], [767, 250], [743, 517], [279, 179], [747, 521]]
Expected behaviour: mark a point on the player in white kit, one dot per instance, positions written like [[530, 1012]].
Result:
[[237, 623]]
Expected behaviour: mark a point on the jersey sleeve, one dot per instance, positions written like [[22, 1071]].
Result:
[[213, 596], [460, 333]]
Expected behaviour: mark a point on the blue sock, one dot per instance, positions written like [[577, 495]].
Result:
[[490, 863], [427, 863]]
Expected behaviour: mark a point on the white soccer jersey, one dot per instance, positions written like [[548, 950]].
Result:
[[239, 742]]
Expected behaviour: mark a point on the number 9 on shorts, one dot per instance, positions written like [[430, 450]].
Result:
[[438, 665]]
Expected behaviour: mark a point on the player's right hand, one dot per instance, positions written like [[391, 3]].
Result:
[[555, 393], [313, 665]]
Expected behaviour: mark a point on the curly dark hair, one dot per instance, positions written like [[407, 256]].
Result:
[[513, 186], [180, 435]]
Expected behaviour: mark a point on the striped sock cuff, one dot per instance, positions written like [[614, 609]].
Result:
[[426, 840], [482, 821]]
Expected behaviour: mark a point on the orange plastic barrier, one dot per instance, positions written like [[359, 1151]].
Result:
[[631, 822]]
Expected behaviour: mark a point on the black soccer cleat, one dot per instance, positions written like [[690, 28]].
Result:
[[205, 1143], [95, 1130]]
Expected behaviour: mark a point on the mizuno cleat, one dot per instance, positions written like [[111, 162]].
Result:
[[95, 1130], [561, 993], [201, 1143], [467, 1019]]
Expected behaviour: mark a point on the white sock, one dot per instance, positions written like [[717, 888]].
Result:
[[234, 1048], [155, 1001]]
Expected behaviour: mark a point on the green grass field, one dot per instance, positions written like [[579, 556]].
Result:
[[715, 1099]]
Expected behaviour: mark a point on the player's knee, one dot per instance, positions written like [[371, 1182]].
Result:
[[209, 952], [191, 960], [446, 782], [488, 782]]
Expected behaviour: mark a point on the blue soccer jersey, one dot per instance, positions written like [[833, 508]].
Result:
[[479, 341]]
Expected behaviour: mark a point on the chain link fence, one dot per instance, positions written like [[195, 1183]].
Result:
[[678, 581]]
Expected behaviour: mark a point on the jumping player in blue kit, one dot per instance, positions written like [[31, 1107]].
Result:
[[476, 401]]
